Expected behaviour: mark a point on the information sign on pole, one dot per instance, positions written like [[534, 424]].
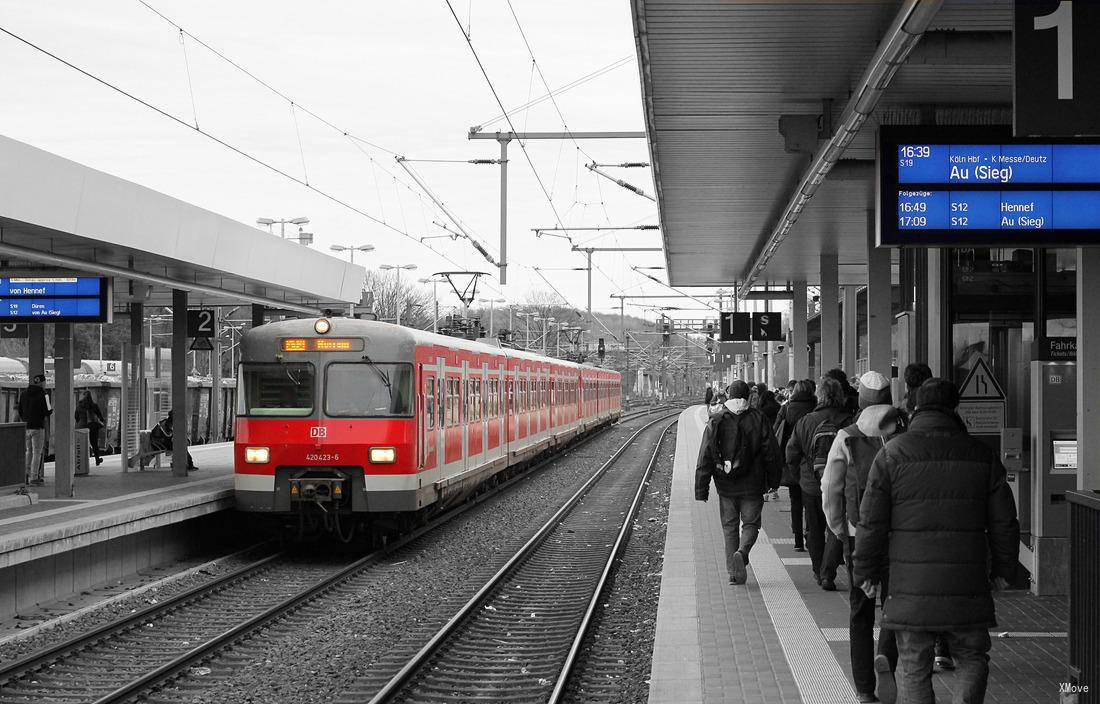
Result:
[[767, 327], [982, 401], [736, 327], [1056, 89]]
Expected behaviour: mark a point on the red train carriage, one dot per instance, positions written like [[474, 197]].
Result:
[[343, 416]]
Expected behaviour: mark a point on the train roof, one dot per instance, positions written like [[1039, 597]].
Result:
[[400, 335]]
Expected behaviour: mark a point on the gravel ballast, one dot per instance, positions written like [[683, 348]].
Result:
[[331, 644]]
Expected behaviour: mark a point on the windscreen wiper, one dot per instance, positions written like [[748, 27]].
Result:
[[383, 375]]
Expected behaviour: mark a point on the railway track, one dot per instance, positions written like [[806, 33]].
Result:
[[518, 638], [122, 660]]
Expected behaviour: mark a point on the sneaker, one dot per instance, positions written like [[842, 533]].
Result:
[[767, 497], [98, 461], [775, 496], [886, 690], [942, 663], [867, 697], [738, 574], [828, 585], [799, 548]]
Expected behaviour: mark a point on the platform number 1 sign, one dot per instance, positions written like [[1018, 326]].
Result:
[[1051, 97]]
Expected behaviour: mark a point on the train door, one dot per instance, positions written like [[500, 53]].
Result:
[[486, 402], [426, 426], [464, 415]]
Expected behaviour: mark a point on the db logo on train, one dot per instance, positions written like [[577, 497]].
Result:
[[318, 432]]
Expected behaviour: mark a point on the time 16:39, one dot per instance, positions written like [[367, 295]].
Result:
[[909, 152]]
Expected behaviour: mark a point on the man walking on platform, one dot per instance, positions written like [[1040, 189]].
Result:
[[807, 454], [34, 409], [742, 457], [939, 518], [842, 488]]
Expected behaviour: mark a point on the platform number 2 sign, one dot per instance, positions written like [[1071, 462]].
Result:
[[200, 323]]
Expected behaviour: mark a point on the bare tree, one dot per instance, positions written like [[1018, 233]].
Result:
[[393, 293]]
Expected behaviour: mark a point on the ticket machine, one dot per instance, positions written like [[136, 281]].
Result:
[[1053, 472]]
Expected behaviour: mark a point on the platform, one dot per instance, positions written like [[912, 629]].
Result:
[[780, 638], [117, 522]]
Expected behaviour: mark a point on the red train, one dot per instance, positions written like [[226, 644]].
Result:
[[340, 417]]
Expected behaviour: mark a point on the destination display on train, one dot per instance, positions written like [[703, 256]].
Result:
[[58, 299], [970, 193]]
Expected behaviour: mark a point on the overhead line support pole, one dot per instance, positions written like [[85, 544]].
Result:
[[503, 208]]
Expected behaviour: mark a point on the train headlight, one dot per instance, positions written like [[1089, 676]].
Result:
[[383, 455], [257, 455], [322, 326]]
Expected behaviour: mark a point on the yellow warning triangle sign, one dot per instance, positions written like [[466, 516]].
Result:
[[981, 385]]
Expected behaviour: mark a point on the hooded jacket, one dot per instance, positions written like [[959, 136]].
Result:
[[746, 434], [799, 405], [849, 462], [936, 508], [799, 447], [33, 407]]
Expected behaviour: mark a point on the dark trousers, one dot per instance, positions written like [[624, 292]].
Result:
[[796, 516], [743, 512], [861, 630], [824, 548], [93, 439], [165, 445], [914, 674]]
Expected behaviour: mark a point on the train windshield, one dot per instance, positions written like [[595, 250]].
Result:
[[369, 390], [276, 389]]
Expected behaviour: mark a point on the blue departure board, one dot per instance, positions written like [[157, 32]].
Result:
[[55, 299], [980, 187]]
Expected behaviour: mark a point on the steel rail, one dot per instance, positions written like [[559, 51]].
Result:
[[37, 660], [421, 658], [612, 561], [177, 665]]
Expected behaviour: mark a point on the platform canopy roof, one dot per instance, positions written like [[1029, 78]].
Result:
[[56, 215], [716, 77]]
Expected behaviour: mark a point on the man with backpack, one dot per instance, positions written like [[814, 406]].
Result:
[[842, 488], [741, 455], [807, 454]]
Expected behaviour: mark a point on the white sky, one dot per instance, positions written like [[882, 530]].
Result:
[[397, 73]]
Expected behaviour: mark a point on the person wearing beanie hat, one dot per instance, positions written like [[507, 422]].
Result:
[[744, 462], [842, 486], [939, 519]]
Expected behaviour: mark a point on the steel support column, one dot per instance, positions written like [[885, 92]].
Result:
[[939, 329], [64, 456], [800, 354], [258, 312], [36, 350], [503, 208], [850, 337], [180, 417], [216, 381], [1088, 369], [830, 313], [880, 311]]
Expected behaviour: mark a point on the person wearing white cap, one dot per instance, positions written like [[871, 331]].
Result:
[[842, 486]]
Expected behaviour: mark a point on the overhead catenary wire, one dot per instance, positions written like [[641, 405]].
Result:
[[223, 143]]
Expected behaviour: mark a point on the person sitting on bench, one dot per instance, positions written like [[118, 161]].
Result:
[[161, 439]]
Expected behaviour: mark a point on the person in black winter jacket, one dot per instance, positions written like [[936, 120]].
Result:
[[741, 456], [938, 517], [801, 402], [804, 450], [34, 409], [851, 396]]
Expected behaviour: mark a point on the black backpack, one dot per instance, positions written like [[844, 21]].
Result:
[[822, 442]]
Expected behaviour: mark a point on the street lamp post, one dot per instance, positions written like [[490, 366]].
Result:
[[352, 249], [527, 335], [397, 272], [490, 301], [282, 226], [546, 323]]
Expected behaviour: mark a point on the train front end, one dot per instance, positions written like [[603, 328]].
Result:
[[325, 420]]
